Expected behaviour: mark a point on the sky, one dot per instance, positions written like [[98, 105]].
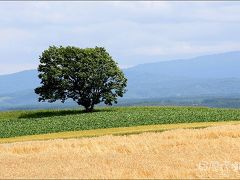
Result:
[[132, 32]]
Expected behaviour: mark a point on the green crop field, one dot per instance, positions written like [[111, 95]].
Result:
[[22, 123]]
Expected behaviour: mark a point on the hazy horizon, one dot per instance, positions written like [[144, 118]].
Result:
[[125, 68]]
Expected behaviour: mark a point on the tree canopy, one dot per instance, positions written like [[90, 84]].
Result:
[[88, 76]]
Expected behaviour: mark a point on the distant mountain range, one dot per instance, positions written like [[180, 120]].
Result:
[[217, 75], [196, 80]]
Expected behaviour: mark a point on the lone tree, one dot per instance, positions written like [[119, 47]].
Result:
[[88, 76]]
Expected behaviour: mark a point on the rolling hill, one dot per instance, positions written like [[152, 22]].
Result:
[[202, 80]]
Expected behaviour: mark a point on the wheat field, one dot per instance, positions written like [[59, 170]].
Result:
[[183, 153]]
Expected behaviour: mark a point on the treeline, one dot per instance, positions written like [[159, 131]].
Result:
[[221, 102]]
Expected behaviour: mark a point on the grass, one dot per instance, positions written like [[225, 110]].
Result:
[[23, 123], [209, 153], [115, 131]]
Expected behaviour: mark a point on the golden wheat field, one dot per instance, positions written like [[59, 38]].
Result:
[[212, 152]]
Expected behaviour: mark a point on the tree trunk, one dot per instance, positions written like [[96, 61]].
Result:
[[89, 108]]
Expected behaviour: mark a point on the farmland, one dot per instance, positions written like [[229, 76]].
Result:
[[184, 153], [22, 123], [176, 153]]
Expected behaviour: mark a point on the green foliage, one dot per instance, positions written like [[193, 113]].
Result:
[[19, 123], [88, 76]]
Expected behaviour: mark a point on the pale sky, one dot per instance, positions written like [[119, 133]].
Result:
[[132, 32]]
